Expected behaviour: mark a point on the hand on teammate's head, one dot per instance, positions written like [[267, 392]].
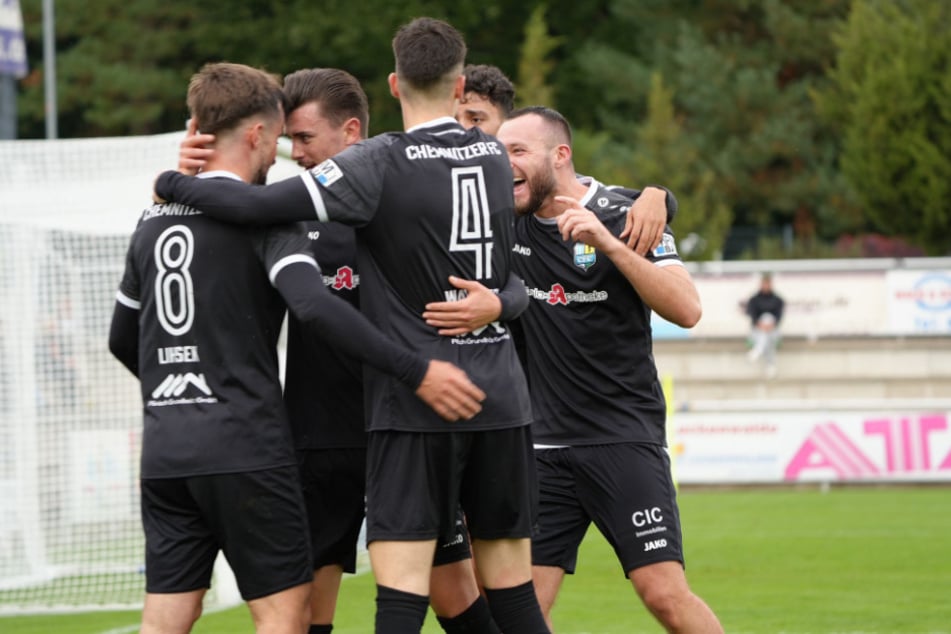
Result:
[[194, 150]]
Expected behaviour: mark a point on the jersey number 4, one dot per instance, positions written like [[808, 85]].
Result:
[[174, 290], [471, 230]]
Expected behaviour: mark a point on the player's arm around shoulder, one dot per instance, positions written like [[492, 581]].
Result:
[[650, 213], [667, 288]]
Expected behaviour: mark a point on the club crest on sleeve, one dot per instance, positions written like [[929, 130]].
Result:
[[327, 173], [584, 256], [667, 246]]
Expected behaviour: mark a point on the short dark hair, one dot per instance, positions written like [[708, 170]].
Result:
[[553, 117], [428, 53], [338, 92], [491, 83], [222, 94]]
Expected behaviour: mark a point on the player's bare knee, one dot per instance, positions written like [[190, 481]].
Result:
[[667, 605]]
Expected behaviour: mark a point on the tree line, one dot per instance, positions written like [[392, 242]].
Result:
[[787, 128]]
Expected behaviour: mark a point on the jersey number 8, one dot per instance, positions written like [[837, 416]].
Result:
[[174, 290]]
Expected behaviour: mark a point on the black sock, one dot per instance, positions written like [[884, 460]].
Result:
[[476, 619], [320, 629], [399, 612], [517, 610]]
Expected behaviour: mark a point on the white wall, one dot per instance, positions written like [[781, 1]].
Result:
[[827, 297]]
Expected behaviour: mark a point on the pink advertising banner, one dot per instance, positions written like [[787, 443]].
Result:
[[820, 446]]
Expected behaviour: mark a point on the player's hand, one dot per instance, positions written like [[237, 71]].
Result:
[[193, 152], [480, 307], [646, 219], [581, 225], [448, 390]]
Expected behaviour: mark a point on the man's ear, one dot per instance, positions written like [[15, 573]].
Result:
[[562, 154], [460, 88], [394, 83], [253, 134], [351, 130]]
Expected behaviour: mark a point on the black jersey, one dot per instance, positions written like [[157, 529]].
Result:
[[208, 323], [428, 203], [323, 388], [588, 337]]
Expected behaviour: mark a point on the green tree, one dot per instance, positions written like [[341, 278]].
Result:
[[664, 156], [741, 75], [658, 152], [535, 63], [123, 66], [116, 67], [891, 96]]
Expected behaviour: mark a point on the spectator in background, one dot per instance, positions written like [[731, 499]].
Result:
[[765, 310]]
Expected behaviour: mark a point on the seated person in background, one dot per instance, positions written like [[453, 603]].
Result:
[[765, 310]]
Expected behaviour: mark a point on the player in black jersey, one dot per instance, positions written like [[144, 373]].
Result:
[[599, 410], [429, 203], [486, 103], [196, 319], [327, 111], [489, 98]]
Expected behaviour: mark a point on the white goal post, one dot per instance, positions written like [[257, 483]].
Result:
[[70, 414]]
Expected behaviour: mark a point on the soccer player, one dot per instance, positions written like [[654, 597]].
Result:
[[327, 111], [196, 320], [599, 409], [429, 203], [488, 99]]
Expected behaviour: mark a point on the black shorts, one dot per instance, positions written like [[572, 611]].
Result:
[[257, 519], [457, 548], [334, 485], [416, 482], [625, 489]]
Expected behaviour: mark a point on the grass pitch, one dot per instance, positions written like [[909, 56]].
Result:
[[853, 559]]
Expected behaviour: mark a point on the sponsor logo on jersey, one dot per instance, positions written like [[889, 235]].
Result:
[[480, 148], [483, 335], [648, 521], [344, 279], [178, 354], [327, 173], [496, 334], [584, 256], [558, 295], [645, 517], [180, 389], [160, 210], [519, 249], [655, 544], [495, 326], [667, 246]]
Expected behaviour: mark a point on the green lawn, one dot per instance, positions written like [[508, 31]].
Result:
[[874, 559]]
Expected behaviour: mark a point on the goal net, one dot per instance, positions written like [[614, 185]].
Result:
[[70, 414]]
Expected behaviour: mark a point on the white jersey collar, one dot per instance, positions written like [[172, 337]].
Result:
[[219, 174], [434, 123]]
